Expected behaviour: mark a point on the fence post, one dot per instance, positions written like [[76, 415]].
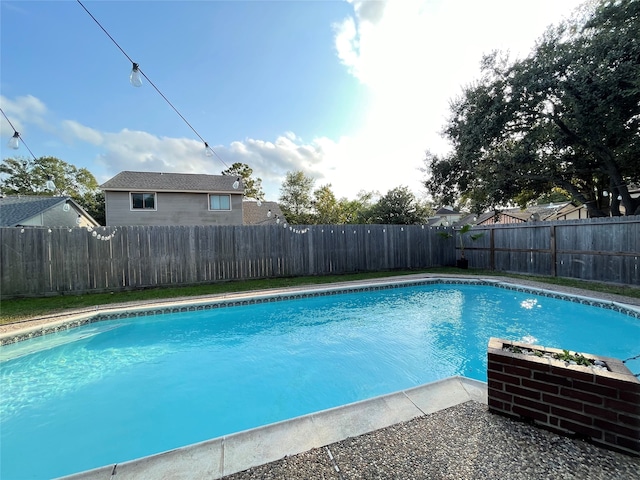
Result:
[[552, 247], [492, 249]]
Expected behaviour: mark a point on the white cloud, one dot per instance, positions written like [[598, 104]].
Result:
[[21, 111], [136, 150], [271, 161], [415, 56], [77, 131], [369, 10]]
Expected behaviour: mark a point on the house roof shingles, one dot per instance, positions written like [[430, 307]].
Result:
[[16, 209], [447, 211], [172, 182]]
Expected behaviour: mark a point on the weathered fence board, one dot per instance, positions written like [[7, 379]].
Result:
[[600, 249], [42, 261]]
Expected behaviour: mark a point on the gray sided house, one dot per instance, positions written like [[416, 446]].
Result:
[[147, 198], [39, 211]]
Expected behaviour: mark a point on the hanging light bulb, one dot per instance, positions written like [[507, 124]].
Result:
[[259, 203], [135, 78], [605, 194], [269, 213], [14, 142], [277, 219], [208, 151], [50, 185], [619, 197], [236, 184]]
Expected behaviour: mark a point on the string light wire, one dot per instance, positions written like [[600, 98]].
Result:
[[207, 146], [15, 131]]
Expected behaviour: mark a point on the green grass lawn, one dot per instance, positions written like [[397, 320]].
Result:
[[14, 310]]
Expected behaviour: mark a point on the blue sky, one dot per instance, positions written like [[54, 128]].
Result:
[[350, 92]]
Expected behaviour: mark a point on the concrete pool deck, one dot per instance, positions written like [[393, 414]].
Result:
[[438, 430], [237, 452]]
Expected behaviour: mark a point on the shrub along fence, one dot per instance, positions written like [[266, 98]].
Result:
[[42, 261]]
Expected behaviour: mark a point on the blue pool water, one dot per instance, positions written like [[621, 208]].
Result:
[[118, 390]]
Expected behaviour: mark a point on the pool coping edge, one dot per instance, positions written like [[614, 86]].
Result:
[[228, 454]]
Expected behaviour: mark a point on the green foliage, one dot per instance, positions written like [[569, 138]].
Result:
[[579, 359], [556, 195], [399, 207], [301, 206], [23, 176], [568, 116], [326, 207], [296, 198], [360, 210], [462, 231], [329, 210], [94, 205], [565, 356], [252, 186]]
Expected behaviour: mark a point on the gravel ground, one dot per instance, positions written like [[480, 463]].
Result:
[[464, 442]]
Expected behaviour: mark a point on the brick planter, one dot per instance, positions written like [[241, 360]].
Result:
[[601, 405]]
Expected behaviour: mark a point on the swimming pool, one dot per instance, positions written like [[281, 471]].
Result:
[[129, 387]]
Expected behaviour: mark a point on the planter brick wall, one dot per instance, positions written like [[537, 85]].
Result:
[[603, 405]]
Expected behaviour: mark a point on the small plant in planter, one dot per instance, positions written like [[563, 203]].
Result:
[[565, 356], [462, 262]]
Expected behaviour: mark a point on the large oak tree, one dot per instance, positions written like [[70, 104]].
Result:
[[567, 116]]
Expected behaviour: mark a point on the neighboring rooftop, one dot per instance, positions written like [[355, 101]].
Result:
[[172, 182], [547, 211], [34, 210], [446, 210], [254, 214], [16, 209]]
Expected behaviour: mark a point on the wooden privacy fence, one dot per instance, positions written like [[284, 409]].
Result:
[[600, 249], [42, 261]]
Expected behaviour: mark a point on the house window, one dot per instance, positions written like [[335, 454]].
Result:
[[219, 202], [143, 201]]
